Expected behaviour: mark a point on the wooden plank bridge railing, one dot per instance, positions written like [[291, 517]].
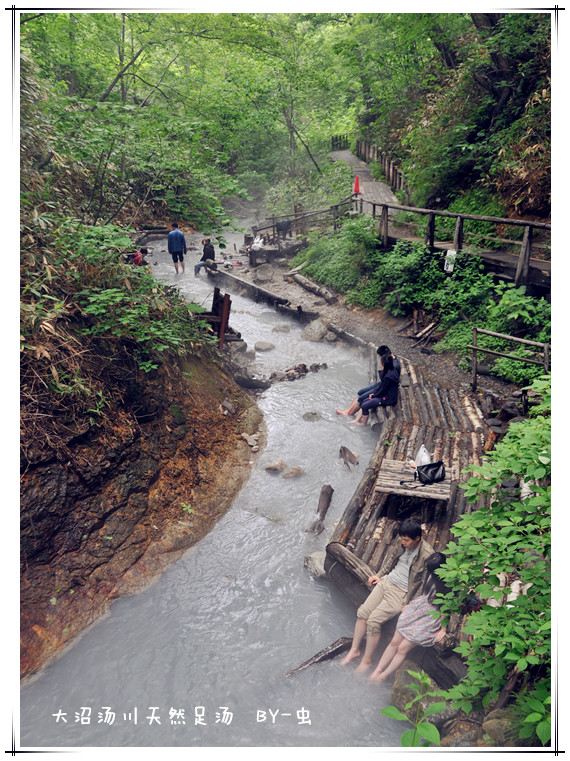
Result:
[[381, 211], [475, 348]]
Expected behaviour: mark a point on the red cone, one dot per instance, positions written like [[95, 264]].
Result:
[[356, 188]]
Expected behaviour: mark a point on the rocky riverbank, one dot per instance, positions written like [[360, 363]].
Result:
[[132, 496]]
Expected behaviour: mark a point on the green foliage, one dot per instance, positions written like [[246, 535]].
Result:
[[422, 733], [399, 278], [337, 261], [512, 312], [479, 201], [533, 707], [511, 535], [310, 190], [86, 288], [410, 276]]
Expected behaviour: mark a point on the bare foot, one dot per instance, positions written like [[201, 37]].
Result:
[[350, 656], [362, 421], [364, 666], [342, 412], [376, 676]]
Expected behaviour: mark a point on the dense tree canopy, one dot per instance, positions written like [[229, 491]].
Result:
[[178, 111]]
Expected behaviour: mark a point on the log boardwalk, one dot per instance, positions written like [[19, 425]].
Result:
[[453, 428]]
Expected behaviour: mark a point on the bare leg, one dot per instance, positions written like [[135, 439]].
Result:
[[359, 633], [372, 641], [400, 656], [387, 655], [349, 410], [362, 420], [182, 266]]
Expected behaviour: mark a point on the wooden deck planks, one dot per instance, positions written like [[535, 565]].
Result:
[[452, 428], [393, 471]]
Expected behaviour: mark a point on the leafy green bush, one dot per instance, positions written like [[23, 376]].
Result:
[[337, 261], [512, 312], [401, 278], [511, 535], [478, 201], [423, 732], [86, 287], [533, 712]]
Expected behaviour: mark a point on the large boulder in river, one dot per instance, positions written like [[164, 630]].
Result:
[[264, 346], [263, 273], [315, 564], [315, 331]]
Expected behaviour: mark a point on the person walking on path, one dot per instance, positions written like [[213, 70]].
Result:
[[398, 582], [208, 253], [418, 623], [177, 246]]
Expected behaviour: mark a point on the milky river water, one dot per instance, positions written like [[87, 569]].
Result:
[[199, 657]]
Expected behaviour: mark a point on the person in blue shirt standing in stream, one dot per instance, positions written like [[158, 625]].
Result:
[[177, 246]]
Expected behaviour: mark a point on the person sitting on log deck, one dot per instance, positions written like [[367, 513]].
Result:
[[397, 583], [382, 394], [416, 625], [364, 393]]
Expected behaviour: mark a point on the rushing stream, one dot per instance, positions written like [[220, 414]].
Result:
[[214, 635]]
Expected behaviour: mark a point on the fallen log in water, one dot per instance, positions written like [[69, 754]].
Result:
[[310, 286], [335, 648], [324, 502]]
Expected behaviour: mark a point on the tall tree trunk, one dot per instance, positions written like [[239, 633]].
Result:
[[122, 58], [120, 74], [71, 74]]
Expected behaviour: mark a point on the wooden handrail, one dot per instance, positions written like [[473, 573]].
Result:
[[545, 362], [456, 214]]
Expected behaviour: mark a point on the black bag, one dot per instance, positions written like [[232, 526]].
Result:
[[431, 473]]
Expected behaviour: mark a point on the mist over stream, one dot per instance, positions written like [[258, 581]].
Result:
[[214, 635]]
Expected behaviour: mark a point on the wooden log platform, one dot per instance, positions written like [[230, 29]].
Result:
[[393, 472], [453, 429]]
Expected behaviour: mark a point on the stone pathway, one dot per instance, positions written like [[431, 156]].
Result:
[[370, 189]]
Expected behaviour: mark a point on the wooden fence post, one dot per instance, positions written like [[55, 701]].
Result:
[[225, 318], [474, 362], [521, 274], [361, 205], [384, 225], [373, 211], [430, 232], [546, 358], [458, 234]]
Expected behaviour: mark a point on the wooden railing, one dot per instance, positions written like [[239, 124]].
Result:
[[526, 246], [299, 222], [340, 142], [475, 348]]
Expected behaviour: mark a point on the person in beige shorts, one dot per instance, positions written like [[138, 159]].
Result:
[[397, 582]]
